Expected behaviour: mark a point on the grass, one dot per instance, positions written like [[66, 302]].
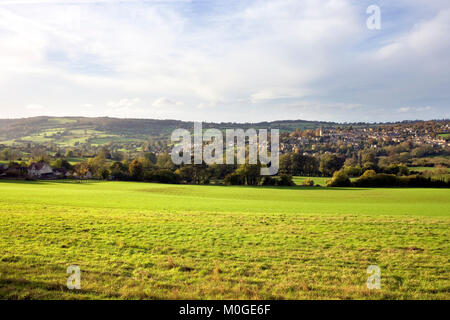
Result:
[[153, 241], [421, 169], [322, 181]]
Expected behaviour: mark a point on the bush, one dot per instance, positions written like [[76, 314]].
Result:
[[372, 179], [104, 174], [339, 179], [232, 179], [353, 171], [268, 181], [285, 180], [119, 171], [421, 181], [308, 182], [162, 176], [396, 169]]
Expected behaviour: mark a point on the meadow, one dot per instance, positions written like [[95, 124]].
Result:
[[321, 181], [154, 241]]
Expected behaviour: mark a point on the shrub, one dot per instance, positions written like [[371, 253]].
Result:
[[339, 179], [268, 181], [162, 176], [232, 179], [285, 180], [371, 179], [308, 182], [353, 171], [104, 174], [396, 169]]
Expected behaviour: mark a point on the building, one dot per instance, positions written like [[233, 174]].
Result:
[[40, 170]]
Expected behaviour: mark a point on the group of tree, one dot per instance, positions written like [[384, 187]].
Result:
[[370, 178]]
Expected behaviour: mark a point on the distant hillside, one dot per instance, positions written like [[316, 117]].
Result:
[[95, 131]]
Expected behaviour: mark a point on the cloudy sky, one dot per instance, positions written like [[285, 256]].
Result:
[[228, 60]]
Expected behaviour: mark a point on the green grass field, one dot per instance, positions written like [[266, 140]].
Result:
[[321, 181], [421, 169], [153, 241]]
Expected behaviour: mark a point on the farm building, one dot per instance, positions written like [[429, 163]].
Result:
[[40, 170]]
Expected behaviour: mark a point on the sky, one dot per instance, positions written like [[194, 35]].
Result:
[[228, 60]]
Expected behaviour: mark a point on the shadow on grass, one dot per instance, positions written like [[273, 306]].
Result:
[[50, 182], [19, 285], [283, 187], [93, 182]]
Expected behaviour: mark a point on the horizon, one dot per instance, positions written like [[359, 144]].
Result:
[[210, 61], [234, 122]]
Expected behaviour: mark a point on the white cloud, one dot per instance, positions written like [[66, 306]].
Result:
[[424, 39], [222, 64], [414, 109], [164, 102], [404, 109]]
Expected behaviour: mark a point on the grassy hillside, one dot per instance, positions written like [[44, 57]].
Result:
[[137, 240], [97, 131]]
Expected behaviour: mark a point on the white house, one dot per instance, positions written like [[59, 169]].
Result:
[[39, 169]]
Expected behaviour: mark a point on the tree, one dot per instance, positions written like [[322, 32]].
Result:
[[150, 156], [136, 170], [104, 174], [97, 165], [286, 163], [197, 174], [304, 165], [249, 173], [9, 154], [164, 161], [162, 176], [330, 163], [81, 170], [61, 163], [233, 179], [369, 159], [119, 171]]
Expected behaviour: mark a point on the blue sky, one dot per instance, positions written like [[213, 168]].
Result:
[[242, 61]]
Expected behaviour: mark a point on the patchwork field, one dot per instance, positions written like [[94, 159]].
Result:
[[153, 241]]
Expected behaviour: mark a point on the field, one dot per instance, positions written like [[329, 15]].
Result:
[[153, 241], [322, 181], [97, 131], [421, 169]]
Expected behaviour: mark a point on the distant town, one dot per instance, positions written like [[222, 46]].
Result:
[[114, 149]]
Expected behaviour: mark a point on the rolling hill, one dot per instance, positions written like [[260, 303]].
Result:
[[68, 131]]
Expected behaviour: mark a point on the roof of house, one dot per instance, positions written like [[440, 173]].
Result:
[[38, 165]]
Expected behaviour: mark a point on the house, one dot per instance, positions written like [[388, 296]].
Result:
[[60, 172], [40, 170], [3, 168]]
